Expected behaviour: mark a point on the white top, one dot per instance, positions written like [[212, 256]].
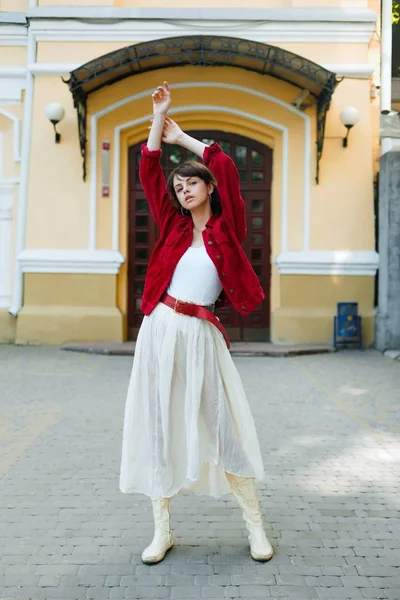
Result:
[[195, 278]]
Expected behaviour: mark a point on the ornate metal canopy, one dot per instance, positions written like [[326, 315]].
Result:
[[203, 51]]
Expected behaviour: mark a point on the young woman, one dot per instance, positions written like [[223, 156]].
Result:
[[187, 420]]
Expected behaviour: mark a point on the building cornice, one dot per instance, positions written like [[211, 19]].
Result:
[[328, 262], [133, 25], [257, 14], [139, 30], [8, 17], [105, 262], [12, 82], [12, 34]]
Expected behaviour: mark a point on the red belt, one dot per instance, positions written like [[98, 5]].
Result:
[[195, 310]]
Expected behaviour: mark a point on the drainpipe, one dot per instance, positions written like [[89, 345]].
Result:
[[23, 188], [386, 67]]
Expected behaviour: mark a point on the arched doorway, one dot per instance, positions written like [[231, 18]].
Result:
[[254, 162]]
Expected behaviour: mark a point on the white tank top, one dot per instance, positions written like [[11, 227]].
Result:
[[195, 278]]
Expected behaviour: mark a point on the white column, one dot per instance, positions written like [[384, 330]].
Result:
[[6, 204]]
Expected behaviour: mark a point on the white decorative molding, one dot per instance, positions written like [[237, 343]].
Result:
[[359, 70], [328, 262], [105, 262], [139, 25], [13, 35], [6, 205], [52, 69], [16, 138], [12, 82], [297, 14]]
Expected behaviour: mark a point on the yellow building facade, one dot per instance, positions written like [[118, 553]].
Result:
[[268, 82]]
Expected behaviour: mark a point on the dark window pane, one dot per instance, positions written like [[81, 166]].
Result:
[[208, 141], [256, 253], [138, 302], [141, 206], [257, 221], [141, 237], [141, 254], [257, 238], [141, 221], [258, 269], [226, 147], [138, 157], [140, 270], [243, 176], [257, 176], [257, 205], [241, 156], [139, 285], [192, 156], [257, 159], [174, 155]]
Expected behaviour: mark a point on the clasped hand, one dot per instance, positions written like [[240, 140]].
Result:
[[171, 132]]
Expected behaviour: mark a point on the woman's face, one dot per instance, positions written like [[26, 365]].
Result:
[[192, 192]]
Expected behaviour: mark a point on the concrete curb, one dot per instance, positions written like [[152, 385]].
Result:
[[393, 354], [237, 349]]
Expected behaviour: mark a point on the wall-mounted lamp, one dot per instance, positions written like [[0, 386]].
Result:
[[349, 117], [55, 113]]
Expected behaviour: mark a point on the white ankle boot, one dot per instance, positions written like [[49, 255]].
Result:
[[162, 540], [244, 490]]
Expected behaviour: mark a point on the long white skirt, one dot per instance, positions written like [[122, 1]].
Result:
[[187, 419]]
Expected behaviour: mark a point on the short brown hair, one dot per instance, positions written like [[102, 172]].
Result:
[[192, 168]]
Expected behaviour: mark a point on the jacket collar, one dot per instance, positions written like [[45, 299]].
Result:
[[187, 223]]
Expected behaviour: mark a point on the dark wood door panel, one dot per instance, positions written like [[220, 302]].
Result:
[[254, 163]]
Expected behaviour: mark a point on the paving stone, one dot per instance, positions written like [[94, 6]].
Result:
[[329, 500], [147, 592], [253, 591], [182, 591], [356, 581], [232, 592], [244, 579], [185, 580], [50, 580], [292, 592], [374, 593]]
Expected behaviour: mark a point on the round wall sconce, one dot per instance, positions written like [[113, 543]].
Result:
[[349, 117], [55, 113]]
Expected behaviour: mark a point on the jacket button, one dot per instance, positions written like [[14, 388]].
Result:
[[219, 257], [222, 275], [231, 291], [210, 242], [244, 307]]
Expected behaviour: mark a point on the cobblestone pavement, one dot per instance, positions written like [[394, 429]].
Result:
[[329, 427]]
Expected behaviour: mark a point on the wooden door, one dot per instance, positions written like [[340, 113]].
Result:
[[254, 163]]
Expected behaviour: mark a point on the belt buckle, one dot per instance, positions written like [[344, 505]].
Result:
[[176, 305]]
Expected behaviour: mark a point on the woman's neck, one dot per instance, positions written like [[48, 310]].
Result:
[[200, 216]]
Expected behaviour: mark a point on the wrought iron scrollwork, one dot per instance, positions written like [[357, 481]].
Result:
[[205, 51]]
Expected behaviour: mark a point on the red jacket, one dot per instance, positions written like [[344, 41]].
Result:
[[222, 236]]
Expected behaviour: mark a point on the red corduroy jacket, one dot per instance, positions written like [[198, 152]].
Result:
[[222, 236]]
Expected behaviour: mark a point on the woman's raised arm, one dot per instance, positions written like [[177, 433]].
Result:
[[150, 172]]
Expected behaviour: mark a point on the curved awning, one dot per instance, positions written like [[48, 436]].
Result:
[[205, 51]]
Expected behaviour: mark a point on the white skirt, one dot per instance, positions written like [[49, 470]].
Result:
[[187, 419]]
